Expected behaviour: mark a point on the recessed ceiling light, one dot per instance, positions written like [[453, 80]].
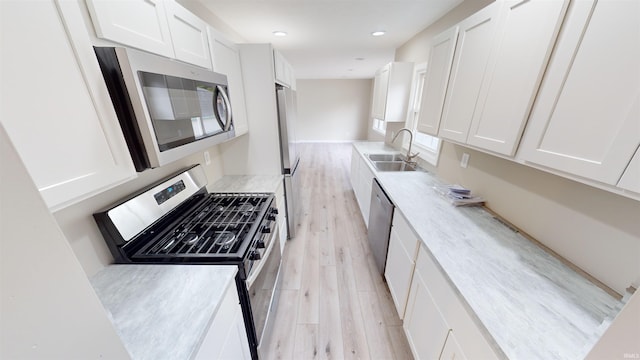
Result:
[[378, 33], [279, 33]]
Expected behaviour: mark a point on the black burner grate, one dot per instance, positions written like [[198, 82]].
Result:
[[222, 225]]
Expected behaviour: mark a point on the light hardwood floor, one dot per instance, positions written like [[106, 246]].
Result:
[[333, 303]]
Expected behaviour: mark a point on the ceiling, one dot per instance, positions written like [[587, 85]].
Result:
[[331, 39]]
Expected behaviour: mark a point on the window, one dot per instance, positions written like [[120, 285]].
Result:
[[429, 146], [379, 126]]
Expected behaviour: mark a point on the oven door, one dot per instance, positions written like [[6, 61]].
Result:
[[263, 286]]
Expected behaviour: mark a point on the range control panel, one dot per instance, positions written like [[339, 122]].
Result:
[[169, 192]]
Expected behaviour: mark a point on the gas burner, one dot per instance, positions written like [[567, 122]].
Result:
[[246, 209], [190, 238], [224, 238]]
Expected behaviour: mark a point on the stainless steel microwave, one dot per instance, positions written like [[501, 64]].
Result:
[[167, 109]]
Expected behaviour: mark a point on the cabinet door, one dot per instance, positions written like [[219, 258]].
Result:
[[451, 349], [586, 117], [425, 327], [137, 23], [401, 256], [527, 32], [475, 37], [56, 108], [189, 36], [436, 81], [380, 86], [355, 170], [280, 68], [226, 60], [630, 180], [226, 337]]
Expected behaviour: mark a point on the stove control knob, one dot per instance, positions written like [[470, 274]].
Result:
[[255, 256], [271, 217], [260, 244], [274, 211], [266, 230]]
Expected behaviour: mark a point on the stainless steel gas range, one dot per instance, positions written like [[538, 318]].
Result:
[[176, 221]]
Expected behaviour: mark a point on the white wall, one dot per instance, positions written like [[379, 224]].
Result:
[[333, 110], [596, 230]]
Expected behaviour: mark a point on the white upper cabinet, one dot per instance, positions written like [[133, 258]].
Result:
[[225, 56], [476, 34], [160, 27], [283, 71], [527, 32], [380, 85], [630, 180], [189, 35], [436, 81], [142, 24], [586, 119], [56, 108], [391, 90]]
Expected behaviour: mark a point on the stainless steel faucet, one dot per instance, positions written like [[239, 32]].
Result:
[[409, 159]]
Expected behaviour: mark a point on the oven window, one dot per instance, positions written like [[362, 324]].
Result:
[[181, 110]]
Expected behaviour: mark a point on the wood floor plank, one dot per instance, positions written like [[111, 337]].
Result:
[[309, 299], [280, 342], [306, 342], [330, 341], [377, 337], [327, 248], [292, 261]]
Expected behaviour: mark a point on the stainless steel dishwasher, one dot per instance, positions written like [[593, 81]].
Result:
[[380, 216]]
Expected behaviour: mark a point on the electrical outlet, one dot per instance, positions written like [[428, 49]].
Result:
[[207, 158], [464, 162]]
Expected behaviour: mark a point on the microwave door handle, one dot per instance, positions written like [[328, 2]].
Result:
[[224, 125]]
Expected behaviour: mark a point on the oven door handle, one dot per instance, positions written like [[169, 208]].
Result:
[[256, 271]]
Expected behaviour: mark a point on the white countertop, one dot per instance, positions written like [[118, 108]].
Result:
[[529, 304], [163, 311]]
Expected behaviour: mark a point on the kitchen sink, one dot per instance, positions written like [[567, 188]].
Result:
[[386, 157], [393, 166]]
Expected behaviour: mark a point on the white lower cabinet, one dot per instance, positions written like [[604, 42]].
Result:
[[227, 337], [451, 349], [56, 108], [434, 313], [401, 256], [424, 325], [361, 181]]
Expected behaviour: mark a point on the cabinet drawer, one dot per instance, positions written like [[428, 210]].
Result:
[[406, 236]]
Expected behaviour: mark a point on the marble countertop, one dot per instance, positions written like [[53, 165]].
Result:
[[163, 311], [246, 183], [528, 303]]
